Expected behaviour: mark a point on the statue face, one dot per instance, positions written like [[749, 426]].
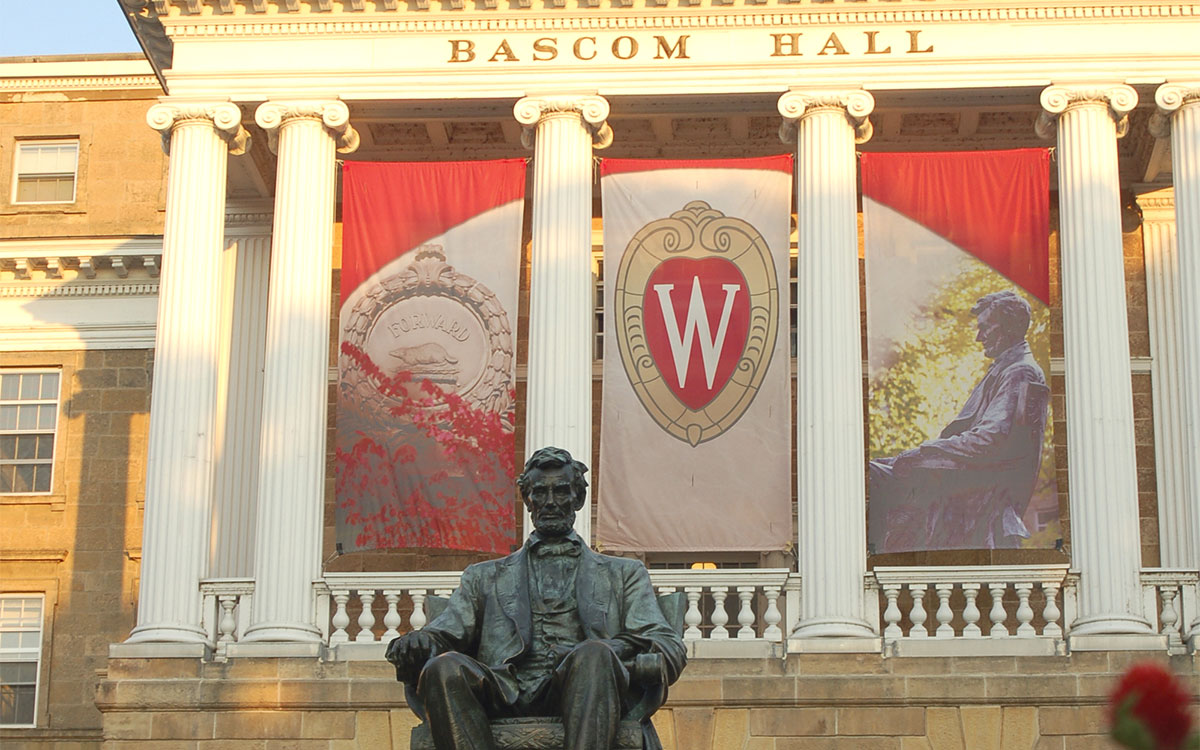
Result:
[[994, 336], [552, 502]]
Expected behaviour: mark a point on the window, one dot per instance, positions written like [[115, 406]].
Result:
[[20, 654], [44, 172], [28, 416]]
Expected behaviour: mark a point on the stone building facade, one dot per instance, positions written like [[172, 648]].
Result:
[[165, 609]]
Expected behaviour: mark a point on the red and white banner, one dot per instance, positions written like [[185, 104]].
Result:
[[426, 392], [958, 293], [695, 440]]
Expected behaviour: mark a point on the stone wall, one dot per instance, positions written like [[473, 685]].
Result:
[[806, 702], [81, 545]]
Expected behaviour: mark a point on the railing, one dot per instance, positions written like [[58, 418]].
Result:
[[1169, 597], [1022, 603], [922, 610]]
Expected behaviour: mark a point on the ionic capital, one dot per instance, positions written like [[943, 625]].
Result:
[[272, 116], [854, 104], [1119, 98], [225, 117], [1170, 98], [591, 110], [1157, 206]]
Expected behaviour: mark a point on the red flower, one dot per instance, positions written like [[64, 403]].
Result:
[[1151, 710]]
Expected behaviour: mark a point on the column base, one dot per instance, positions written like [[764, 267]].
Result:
[[1111, 624], [832, 627], [159, 651], [1117, 642], [167, 633], [279, 632], [835, 645]]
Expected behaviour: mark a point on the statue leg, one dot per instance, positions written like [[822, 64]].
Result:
[[591, 683], [457, 692]]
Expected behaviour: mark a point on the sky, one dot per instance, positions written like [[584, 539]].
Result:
[[63, 27]]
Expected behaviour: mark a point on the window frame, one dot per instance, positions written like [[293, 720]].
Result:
[[21, 145], [54, 431], [38, 661]]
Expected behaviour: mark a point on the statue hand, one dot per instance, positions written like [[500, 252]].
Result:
[[409, 653]]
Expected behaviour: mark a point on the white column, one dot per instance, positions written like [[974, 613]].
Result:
[[832, 553], [243, 334], [1176, 549], [179, 471], [291, 484], [1180, 102], [558, 402], [1102, 465]]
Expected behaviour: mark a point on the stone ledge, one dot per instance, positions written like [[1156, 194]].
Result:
[[980, 647], [835, 645], [1118, 642], [159, 651]]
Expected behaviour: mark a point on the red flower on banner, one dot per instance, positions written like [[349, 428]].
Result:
[[1150, 709], [442, 478]]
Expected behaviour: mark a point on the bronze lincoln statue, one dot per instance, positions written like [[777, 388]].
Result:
[[554, 629]]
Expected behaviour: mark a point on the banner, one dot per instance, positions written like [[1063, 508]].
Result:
[[695, 440], [961, 441], [426, 390]]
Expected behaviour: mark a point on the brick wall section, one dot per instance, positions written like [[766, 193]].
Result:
[[94, 517], [834, 702]]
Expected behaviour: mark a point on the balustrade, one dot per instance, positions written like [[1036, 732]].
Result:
[[1170, 602]]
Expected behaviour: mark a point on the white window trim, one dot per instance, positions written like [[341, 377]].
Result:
[[39, 669], [55, 431], [16, 170]]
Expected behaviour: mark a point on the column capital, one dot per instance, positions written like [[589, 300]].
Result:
[[1158, 205], [590, 108], [855, 104], [332, 113], [225, 117], [1170, 98], [1058, 98]]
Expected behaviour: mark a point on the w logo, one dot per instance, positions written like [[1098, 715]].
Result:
[[697, 330], [697, 315]]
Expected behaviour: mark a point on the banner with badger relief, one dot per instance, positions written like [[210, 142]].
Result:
[[426, 390], [961, 441], [695, 439]]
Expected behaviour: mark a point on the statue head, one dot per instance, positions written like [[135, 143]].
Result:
[[553, 488], [1003, 319]]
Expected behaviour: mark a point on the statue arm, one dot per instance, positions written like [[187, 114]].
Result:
[[644, 627], [984, 441]]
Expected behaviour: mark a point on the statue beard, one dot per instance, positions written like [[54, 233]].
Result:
[[555, 527]]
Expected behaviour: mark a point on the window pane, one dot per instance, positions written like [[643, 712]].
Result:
[[41, 478], [8, 386], [8, 417], [46, 416], [9, 640], [25, 446], [18, 672], [26, 417], [24, 480], [31, 385], [8, 446], [17, 704], [8, 478], [45, 446], [50, 385]]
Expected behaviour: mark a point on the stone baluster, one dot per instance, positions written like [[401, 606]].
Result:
[[1103, 468], [366, 617], [891, 613], [179, 466], [291, 486], [944, 614], [418, 619], [1025, 627], [692, 618], [772, 616], [341, 618], [746, 612], [1051, 612], [917, 615], [824, 127], [391, 618], [563, 130], [1179, 113], [971, 612], [998, 615], [719, 615]]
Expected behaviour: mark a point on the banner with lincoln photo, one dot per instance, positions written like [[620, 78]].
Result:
[[961, 442], [426, 391], [695, 439]]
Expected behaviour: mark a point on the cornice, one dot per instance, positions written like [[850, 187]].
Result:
[[80, 83], [285, 18], [41, 290]]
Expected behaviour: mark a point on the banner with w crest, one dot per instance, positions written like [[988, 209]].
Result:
[[695, 438], [426, 399]]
